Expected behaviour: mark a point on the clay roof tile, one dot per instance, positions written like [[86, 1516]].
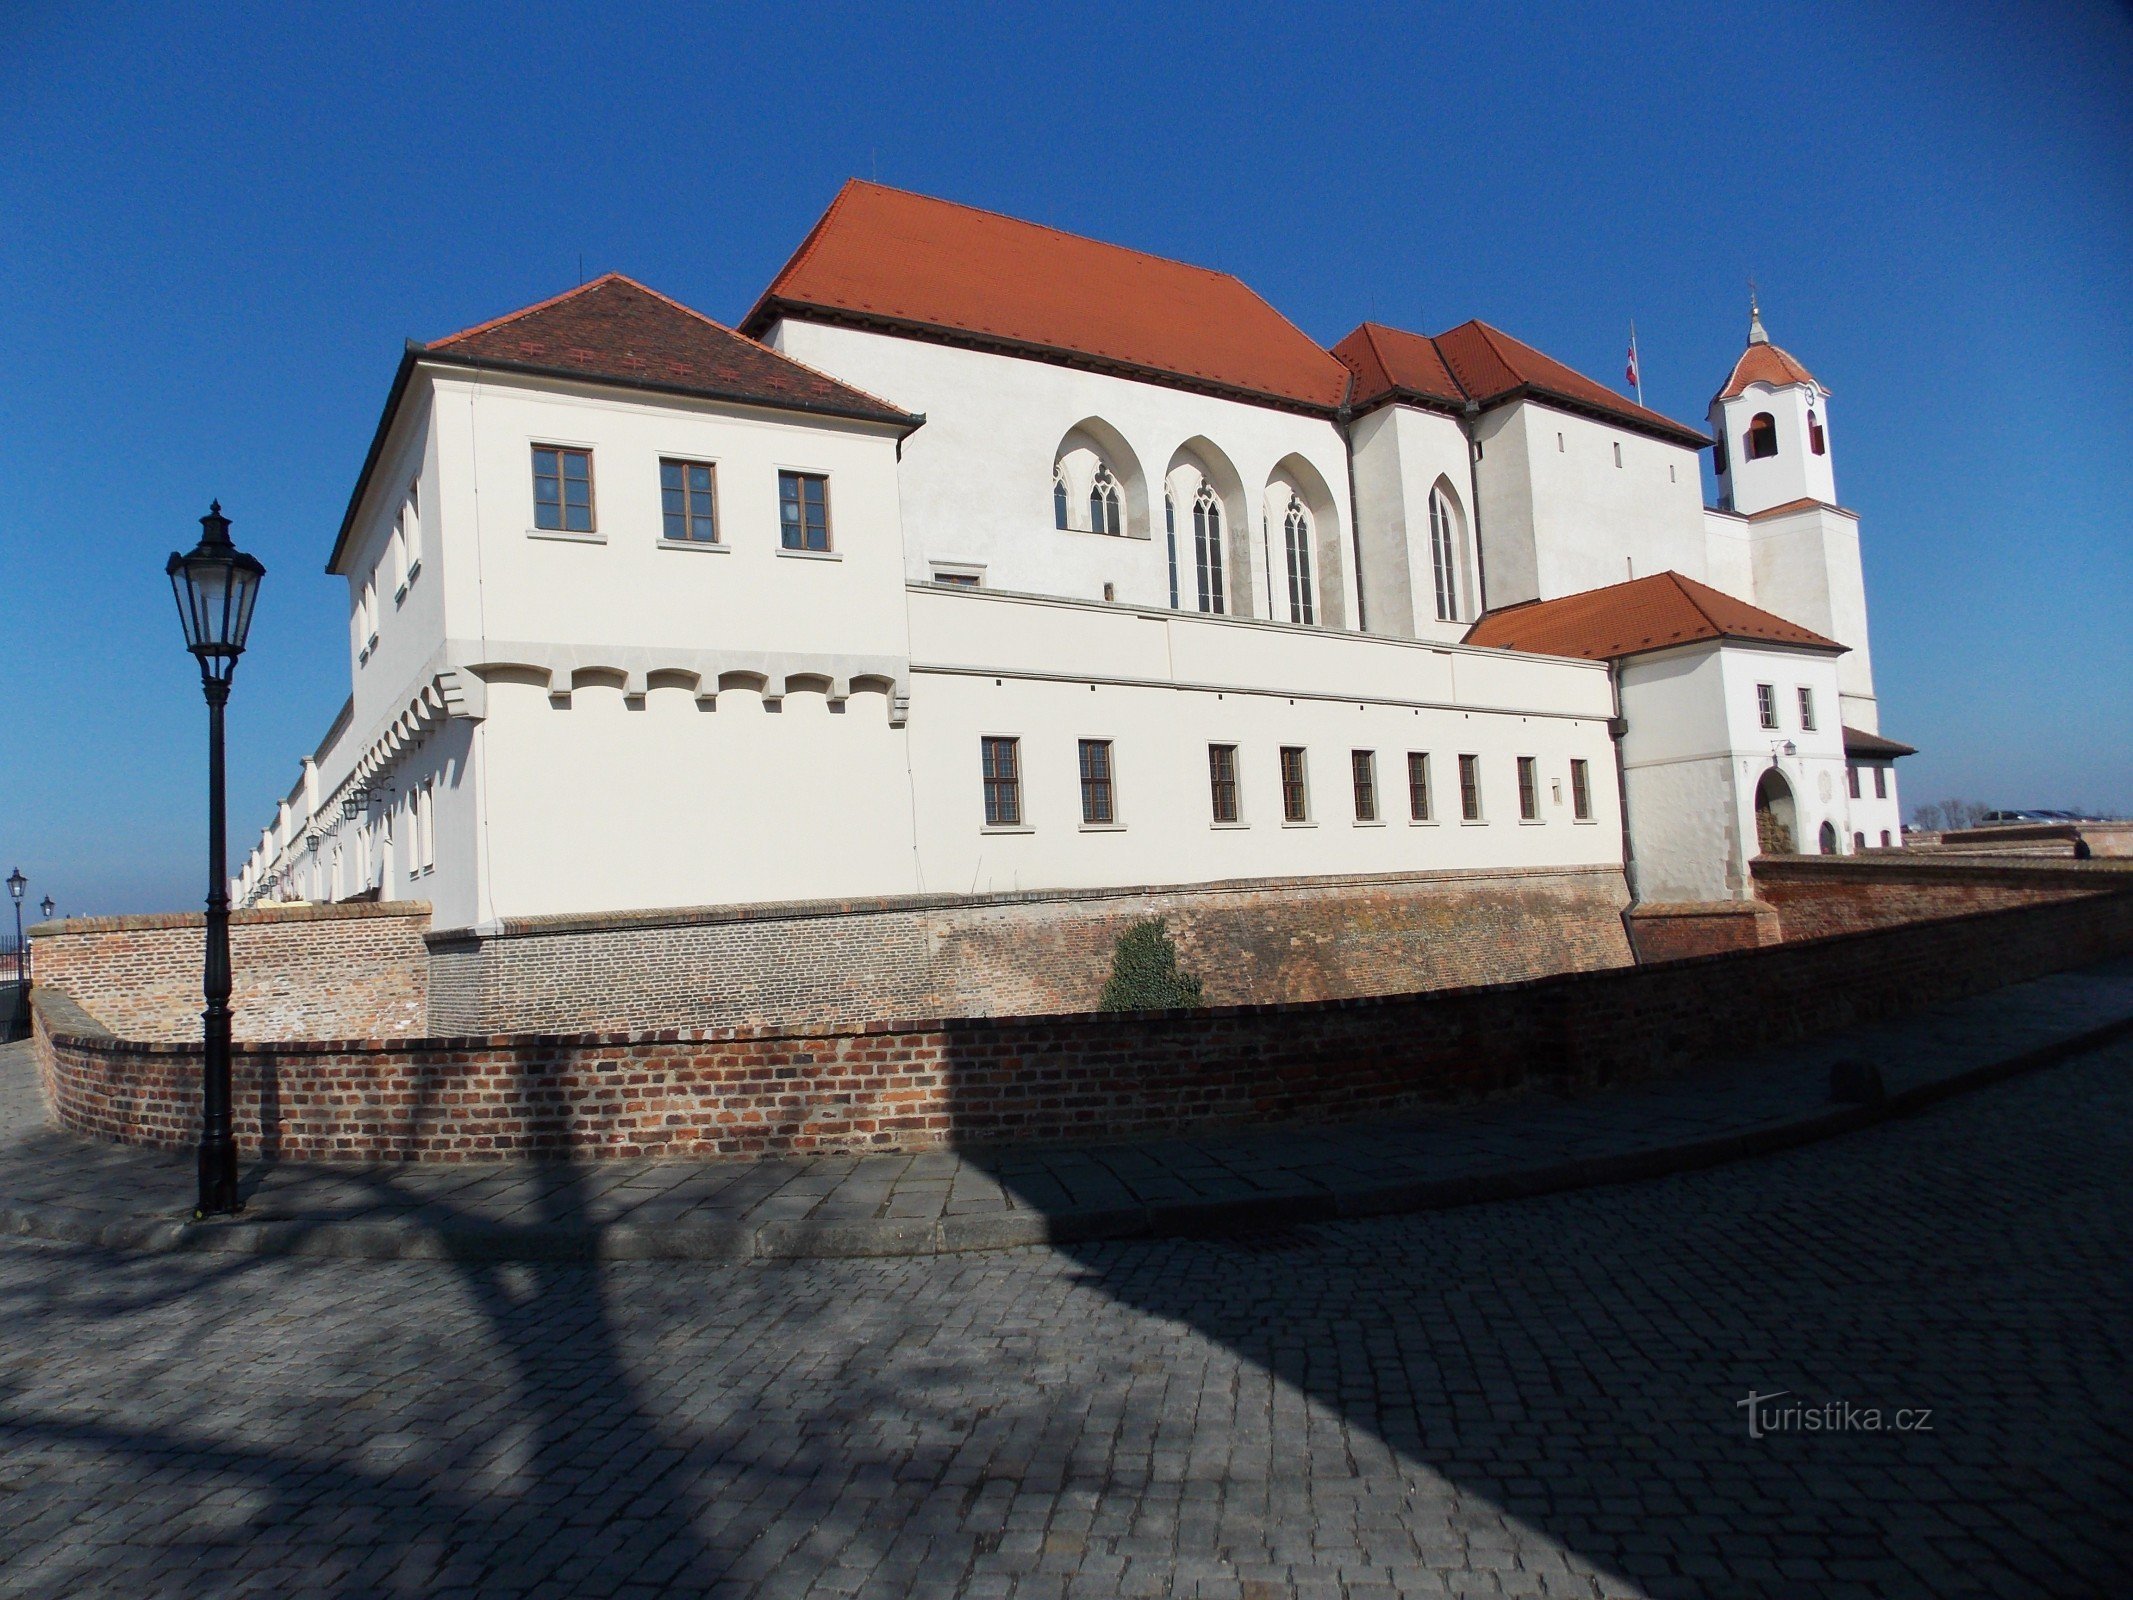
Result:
[[1626, 619]]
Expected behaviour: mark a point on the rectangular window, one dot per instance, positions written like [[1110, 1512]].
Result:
[[688, 505], [1003, 783], [1470, 788], [1295, 793], [1581, 791], [562, 489], [413, 527], [803, 510], [1096, 795], [1881, 783], [1364, 765], [956, 580], [1418, 806], [1807, 708], [1766, 704], [1529, 800], [1222, 780], [1851, 776], [425, 829]]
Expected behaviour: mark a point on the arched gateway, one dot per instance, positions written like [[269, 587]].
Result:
[[1775, 818]]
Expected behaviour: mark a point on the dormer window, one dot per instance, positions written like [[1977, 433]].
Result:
[[1815, 439], [1762, 436]]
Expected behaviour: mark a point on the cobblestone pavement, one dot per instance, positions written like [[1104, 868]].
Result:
[[1537, 1398], [894, 1204]]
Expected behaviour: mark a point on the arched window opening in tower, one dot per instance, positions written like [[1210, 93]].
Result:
[[1762, 436], [1816, 441]]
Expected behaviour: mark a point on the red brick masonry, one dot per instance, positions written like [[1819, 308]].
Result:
[[982, 1081]]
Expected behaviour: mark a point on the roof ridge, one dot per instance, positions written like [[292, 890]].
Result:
[[527, 311]]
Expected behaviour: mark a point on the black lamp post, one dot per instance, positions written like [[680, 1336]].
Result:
[[48, 907], [216, 585], [16, 883]]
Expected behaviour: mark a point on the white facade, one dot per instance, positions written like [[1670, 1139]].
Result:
[[548, 722], [1704, 742]]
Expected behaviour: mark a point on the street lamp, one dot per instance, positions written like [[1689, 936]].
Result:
[[16, 883], [48, 906], [216, 585]]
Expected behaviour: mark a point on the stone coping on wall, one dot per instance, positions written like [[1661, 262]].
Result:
[[447, 1044], [799, 910], [306, 911], [2100, 875]]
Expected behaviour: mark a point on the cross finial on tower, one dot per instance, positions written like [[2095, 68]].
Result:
[[1755, 318]]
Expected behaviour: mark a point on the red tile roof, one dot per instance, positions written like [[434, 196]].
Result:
[[910, 264], [1858, 742], [616, 330], [1478, 363], [1626, 619], [1765, 363]]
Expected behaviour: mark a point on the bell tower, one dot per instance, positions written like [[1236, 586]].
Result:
[[1771, 421]]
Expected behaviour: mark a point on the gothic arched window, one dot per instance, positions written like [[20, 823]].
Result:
[[1296, 537], [1207, 547], [1762, 436], [1444, 555], [1816, 441], [1059, 497], [1103, 502], [1170, 542]]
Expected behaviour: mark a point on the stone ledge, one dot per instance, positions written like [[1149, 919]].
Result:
[[342, 911]]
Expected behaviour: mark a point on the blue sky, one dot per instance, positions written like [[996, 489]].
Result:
[[217, 225]]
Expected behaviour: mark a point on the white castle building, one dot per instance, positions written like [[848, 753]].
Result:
[[984, 557]]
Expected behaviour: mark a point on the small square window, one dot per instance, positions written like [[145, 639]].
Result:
[[1581, 790], [688, 501], [1097, 799], [562, 489], [1807, 708], [1364, 766], [1295, 792], [1418, 802], [1003, 782], [1766, 704], [1470, 788], [803, 510], [1222, 781], [1529, 803]]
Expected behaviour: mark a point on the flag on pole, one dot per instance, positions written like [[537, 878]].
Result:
[[1636, 382]]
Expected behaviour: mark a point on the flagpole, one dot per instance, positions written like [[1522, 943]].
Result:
[[1636, 363]]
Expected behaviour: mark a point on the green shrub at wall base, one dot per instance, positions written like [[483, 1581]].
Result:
[[1144, 972]]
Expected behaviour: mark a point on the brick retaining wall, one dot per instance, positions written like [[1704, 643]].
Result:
[[297, 971], [1820, 895], [988, 1081], [1676, 930], [1049, 951]]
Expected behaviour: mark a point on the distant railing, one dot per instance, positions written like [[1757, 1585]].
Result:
[[14, 996]]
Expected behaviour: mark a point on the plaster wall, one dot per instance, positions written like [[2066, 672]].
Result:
[[1591, 522], [976, 480], [1401, 454]]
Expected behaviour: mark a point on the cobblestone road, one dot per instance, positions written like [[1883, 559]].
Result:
[[1540, 1398]]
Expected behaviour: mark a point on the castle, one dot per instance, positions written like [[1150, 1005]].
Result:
[[982, 559]]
